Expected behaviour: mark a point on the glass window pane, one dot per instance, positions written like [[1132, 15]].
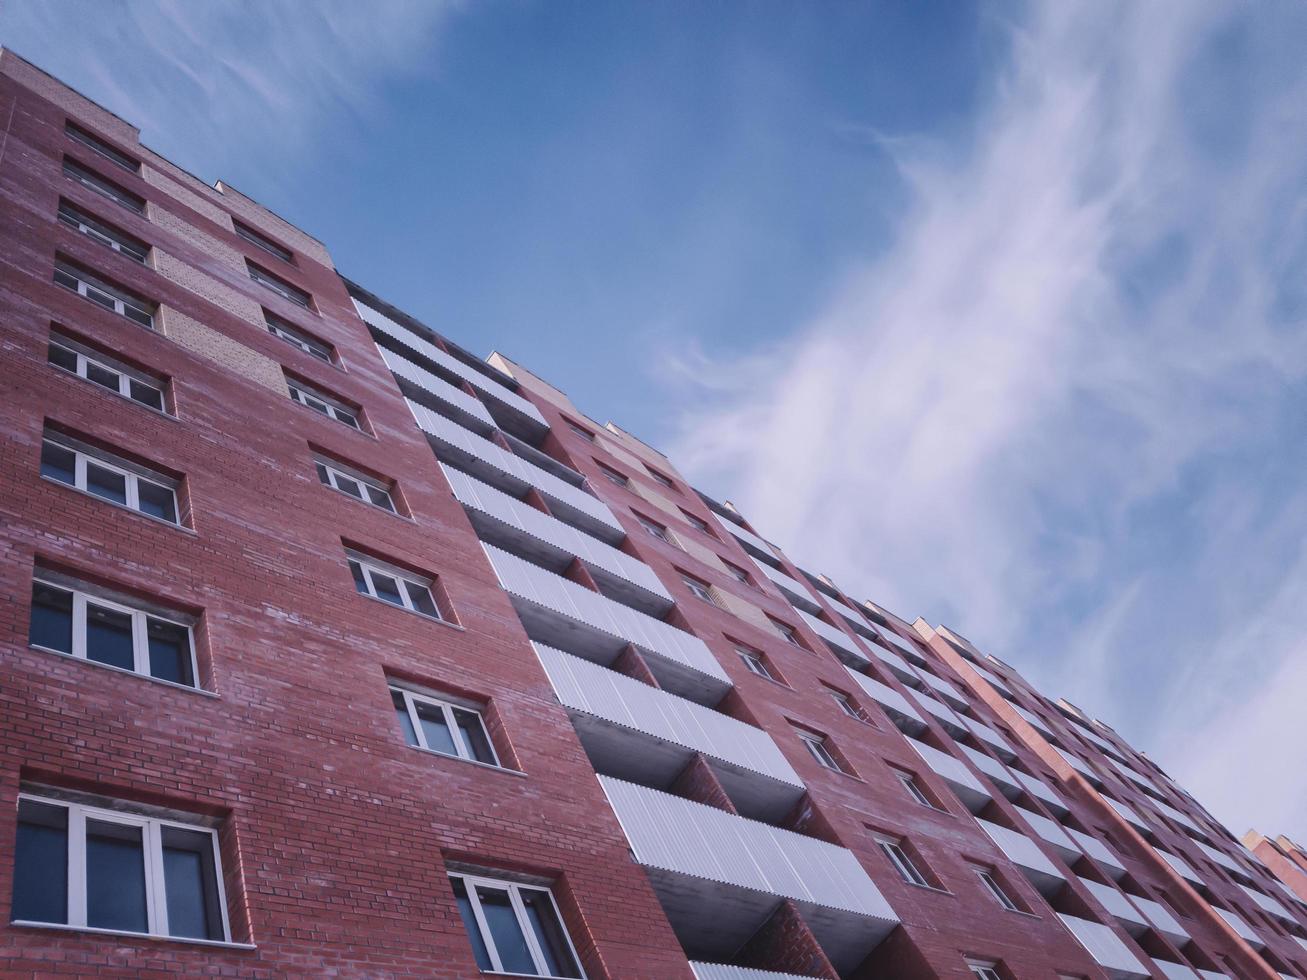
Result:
[[323, 477], [405, 722], [41, 863], [360, 583], [62, 357], [170, 652], [106, 483], [549, 933], [420, 596], [470, 924], [102, 376], [109, 637], [58, 463], [348, 485], [381, 498], [386, 588], [348, 418], [115, 877], [474, 735], [434, 728], [146, 394], [191, 884], [506, 931], [157, 501], [52, 618]]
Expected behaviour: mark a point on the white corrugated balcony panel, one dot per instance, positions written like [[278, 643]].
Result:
[[945, 690], [953, 771], [466, 408], [1026, 855], [1162, 920], [999, 774], [1129, 815], [494, 465], [611, 566], [1240, 926], [559, 612], [1053, 834], [941, 713], [1221, 858], [746, 536], [1041, 791], [836, 637], [903, 713], [1079, 765], [1212, 975], [723, 971], [718, 876], [1179, 865], [1100, 852], [793, 590], [991, 738], [1174, 971], [647, 735], [1034, 719], [1177, 816], [1107, 949], [1268, 904], [1116, 903]]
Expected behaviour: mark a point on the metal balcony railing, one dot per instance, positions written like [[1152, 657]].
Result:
[[1106, 948]]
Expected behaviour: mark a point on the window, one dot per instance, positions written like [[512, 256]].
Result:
[[849, 706], [700, 590], [902, 862], [654, 528], [514, 928], [440, 726], [300, 392], [75, 171], [279, 286], [739, 574], [753, 660], [697, 523], [357, 487], [67, 620], [280, 328], [74, 131], [580, 430], [992, 885], [76, 359], [102, 233], [819, 749], [267, 244], [915, 790], [660, 478], [102, 294], [70, 462], [612, 476], [786, 632], [403, 589], [95, 868], [984, 970]]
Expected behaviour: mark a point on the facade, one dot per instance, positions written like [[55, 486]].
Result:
[[1286, 859], [334, 649]]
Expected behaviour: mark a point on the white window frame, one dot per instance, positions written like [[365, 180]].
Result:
[[314, 348], [902, 861], [612, 476], [293, 294], [303, 394], [125, 375], [984, 969], [739, 574], [696, 522], [462, 749], [579, 429], [698, 589], [819, 750], [654, 529], [996, 889], [754, 663], [914, 790], [660, 479], [336, 472], [132, 477], [156, 898], [79, 174], [259, 240], [370, 565], [848, 707], [110, 298], [787, 633], [92, 142], [140, 630], [523, 922], [77, 219]]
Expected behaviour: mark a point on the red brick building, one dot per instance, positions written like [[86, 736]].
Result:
[[334, 649], [1286, 858]]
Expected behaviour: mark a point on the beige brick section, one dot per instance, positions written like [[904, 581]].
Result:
[[275, 227], [656, 498], [535, 384], [77, 105], [217, 293], [611, 447], [156, 178], [746, 611], [696, 550], [205, 242], [222, 350]]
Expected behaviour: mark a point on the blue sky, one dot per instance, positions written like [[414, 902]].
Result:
[[993, 312]]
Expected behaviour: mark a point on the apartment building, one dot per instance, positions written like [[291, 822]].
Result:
[[1286, 858], [335, 649]]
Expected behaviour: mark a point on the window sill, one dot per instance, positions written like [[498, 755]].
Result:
[[412, 612], [119, 395], [470, 762], [129, 673], [123, 507], [119, 933], [366, 503]]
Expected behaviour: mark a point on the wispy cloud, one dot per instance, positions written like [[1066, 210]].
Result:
[[1055, 414]]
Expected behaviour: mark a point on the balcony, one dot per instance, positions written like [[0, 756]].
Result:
[[1054, 835], [723, 971], [1002, 777], [510, 409], [1041, 791], [507, 522], [514, 475], [559, 613], [753, 544], [1079, 765], [1100, 852], [840, 642], [1268, 904], [1244, 930], [904, 647], [1179, 866], [1175, 971], [1118, 906], [991, 738], [1220, 857], [1161, 919], [646, 735], [1026, 855], [992, 679], [1034, 719], [719, 877], [1183, 820], [899, 709], [945, 690], [1129, 815], [1105, 946], [960, 779], [901, 668], [420, 384], [941, 713], [799, 596]]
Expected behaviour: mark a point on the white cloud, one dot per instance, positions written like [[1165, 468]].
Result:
[[1029, 418]]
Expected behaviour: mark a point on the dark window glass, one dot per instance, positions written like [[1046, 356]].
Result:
[[146, 394], [360, 583], [102, 376], [420, 596], [434, 728], [52, 618], [191, 884], [115, 877], [347, 417], [323, 476], [58, 463], [381, 498], [386, 588], [156, 501], [170, 652], [405, 722], [62, 357], [109, 637], [505, 931], [41, 864], [106, 483], [349, 486], [474, 735], [549, 933], [470, 924]]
